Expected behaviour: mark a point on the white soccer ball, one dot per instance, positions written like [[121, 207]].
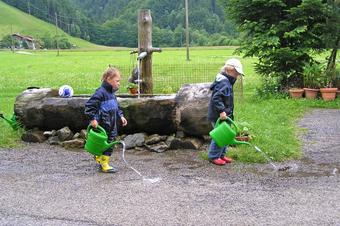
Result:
[[65, 91]]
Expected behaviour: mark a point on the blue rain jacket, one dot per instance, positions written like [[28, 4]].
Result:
[[103, 106], [222, 97]]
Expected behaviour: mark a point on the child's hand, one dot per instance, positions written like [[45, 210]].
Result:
[[223, 116], [124, 121], [94, 123]]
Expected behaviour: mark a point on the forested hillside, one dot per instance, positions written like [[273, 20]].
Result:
[[114, 22]]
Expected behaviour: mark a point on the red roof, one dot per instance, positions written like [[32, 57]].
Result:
[[29, 38]]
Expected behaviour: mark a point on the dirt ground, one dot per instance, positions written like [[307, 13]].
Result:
[[48, 185]]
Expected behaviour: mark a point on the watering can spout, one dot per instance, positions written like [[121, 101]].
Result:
[[108, 145], [241, 142]]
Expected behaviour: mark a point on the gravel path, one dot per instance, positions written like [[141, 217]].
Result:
[[46, 185]]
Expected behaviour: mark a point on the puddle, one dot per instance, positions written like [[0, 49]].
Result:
[[145, 179], [58, 178], [182, 164], [193, 167], [151, 180], [335, 171], [296, 169]]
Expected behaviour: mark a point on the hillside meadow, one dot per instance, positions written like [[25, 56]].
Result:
[[16, 21], [272, 122]]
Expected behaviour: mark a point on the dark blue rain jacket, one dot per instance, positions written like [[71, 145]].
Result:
[[222, 97], [103, 106]]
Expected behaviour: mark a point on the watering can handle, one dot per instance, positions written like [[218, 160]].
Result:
[[230, 120], [101, 129], [233, 123]]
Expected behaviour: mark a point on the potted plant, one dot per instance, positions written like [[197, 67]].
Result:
[[132, 88], [243, 133], [295, 93], [312, 78], [328, 92]]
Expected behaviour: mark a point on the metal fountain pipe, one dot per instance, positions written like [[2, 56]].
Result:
[[142, 55]]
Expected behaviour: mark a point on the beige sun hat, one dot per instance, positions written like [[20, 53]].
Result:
[[236, 64]]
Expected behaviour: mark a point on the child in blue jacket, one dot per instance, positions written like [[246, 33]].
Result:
[[103, 109], [221, 105]]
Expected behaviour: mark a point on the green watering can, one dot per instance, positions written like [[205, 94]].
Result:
[[11, 121], [96, 140], [223, 133]]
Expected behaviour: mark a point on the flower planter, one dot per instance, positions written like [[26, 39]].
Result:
[[133, 91], [328, 93], [243, 138], [310, 93], [296, 93]]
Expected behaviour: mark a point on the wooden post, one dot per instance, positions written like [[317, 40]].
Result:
[[145, 45], [56, 32], [12, 41], [187, 28]]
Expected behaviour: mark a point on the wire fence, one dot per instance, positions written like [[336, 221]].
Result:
[[169, 77]]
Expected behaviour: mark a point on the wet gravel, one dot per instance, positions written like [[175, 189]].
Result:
[[48, 185]]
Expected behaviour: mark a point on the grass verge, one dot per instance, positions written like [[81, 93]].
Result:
[[272, 121]]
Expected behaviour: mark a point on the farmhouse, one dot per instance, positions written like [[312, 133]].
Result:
[[26, 42]]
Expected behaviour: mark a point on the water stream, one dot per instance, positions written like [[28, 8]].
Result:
[[146, 179], [265, 156]]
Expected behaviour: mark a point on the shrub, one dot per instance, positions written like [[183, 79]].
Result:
[[6, 42], [270, 87]]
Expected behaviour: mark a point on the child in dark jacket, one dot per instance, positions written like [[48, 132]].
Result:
[[221, 105], [103, 109]]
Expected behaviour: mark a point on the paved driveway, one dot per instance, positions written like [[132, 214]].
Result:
[[44, 185]]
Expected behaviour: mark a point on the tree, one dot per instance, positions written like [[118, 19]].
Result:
[[332, 37], [91, 19], [7, 42], [283, 34]]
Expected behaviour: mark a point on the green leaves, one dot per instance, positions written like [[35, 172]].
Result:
[[296, 32], [283, 34]]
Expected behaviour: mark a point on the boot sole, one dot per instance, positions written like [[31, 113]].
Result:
[[109, 171]]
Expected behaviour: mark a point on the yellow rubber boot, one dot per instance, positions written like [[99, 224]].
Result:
[[105, 167], [97, 159]]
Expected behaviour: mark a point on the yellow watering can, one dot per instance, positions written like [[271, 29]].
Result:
[[96, 140], [223, 133]]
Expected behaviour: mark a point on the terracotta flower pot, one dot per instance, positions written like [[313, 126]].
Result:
[[311, 93], [296, 93], [133, 91], [328, 93], [243, 138]]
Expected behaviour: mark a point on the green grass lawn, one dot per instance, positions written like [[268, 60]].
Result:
[[82, 69], [272, 122]]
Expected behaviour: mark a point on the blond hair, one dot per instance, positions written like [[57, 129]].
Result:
[[226, 67], [110, 72]]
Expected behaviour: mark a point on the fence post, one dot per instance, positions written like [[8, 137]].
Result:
[[145, 45]]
